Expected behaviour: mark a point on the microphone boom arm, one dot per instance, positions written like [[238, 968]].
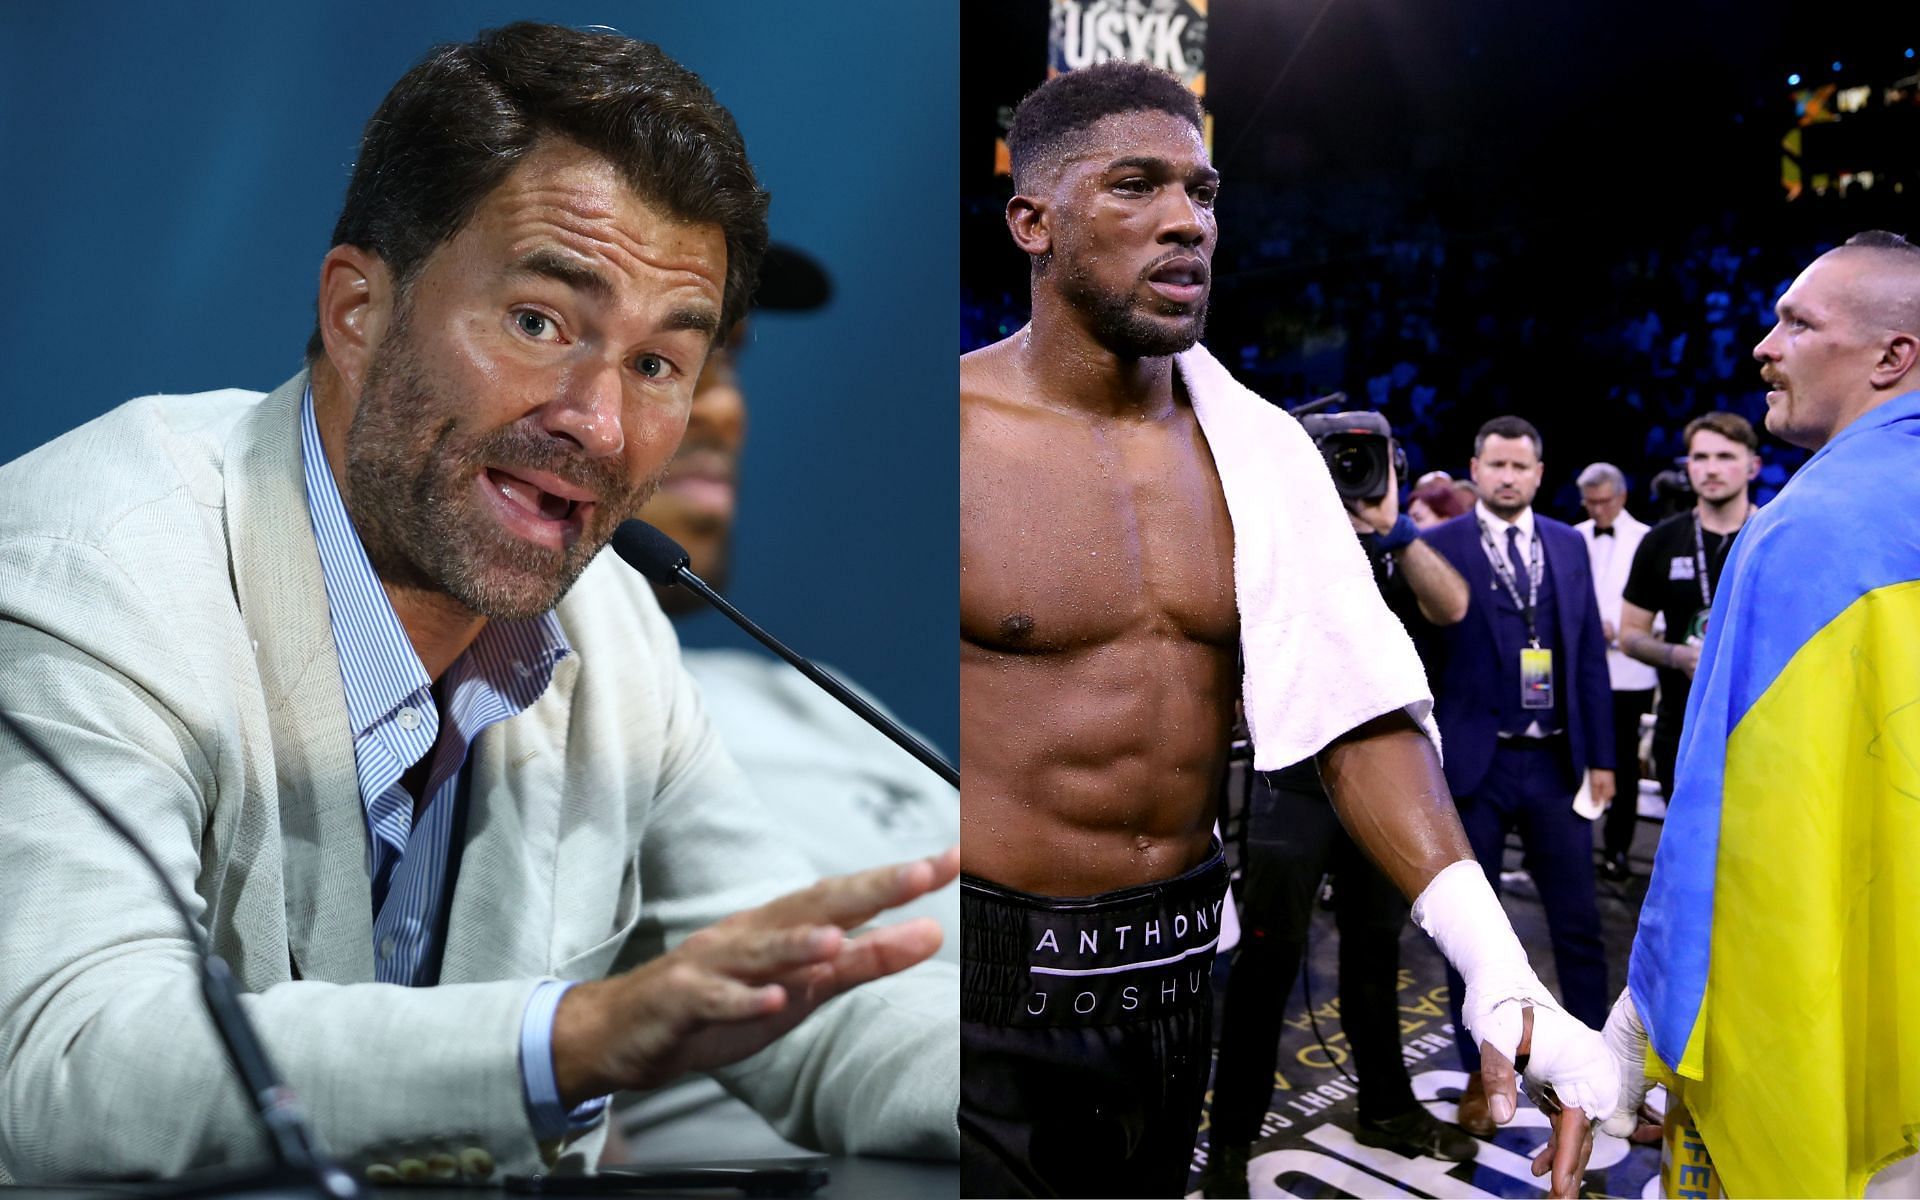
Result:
[[840, 691]]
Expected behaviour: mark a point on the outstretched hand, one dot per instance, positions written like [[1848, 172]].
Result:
[[732, 988]]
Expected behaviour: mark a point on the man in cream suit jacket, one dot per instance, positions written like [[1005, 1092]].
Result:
[[313, 648], [1612, 534]]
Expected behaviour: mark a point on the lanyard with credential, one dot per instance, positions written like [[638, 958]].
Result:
[[1700, 560], [1697, 629], [1505, 574]]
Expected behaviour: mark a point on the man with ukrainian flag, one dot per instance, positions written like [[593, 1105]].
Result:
[[1777, 964]]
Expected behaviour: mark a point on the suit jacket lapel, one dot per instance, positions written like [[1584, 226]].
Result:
[[276, 574], [1566, 597], [1481, 584]]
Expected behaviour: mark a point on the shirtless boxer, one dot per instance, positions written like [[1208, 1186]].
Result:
[[1099, 664]]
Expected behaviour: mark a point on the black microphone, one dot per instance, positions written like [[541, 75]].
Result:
[[303, 1168], [664, 561]]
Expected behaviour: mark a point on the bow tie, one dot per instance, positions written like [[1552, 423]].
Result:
[[1599, 532]]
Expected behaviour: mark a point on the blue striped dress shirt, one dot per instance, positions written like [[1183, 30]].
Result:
[[396, 723]]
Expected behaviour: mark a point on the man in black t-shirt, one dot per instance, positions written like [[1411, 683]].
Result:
[[1293, 838], [1677, 568]]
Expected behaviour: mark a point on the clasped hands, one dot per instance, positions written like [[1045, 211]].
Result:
[[734, 987], [1603, 1086]]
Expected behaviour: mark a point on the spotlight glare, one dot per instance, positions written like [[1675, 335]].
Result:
[[1793, 80], [1836, 64]]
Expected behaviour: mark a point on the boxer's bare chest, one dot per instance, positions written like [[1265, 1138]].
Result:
[[1079, 531]]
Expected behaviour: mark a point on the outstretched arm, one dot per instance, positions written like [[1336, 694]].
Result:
[[1386, 784], [1385, 781]]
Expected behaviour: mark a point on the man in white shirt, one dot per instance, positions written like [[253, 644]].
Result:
[[1612, 535]]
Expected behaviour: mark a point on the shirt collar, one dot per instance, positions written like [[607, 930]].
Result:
[[378, 665], [1498, 524]]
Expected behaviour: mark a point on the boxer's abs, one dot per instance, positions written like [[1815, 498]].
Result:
[[1099, 643], [1092, 771]]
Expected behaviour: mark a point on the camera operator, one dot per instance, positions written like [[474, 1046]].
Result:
[[1293, 837]]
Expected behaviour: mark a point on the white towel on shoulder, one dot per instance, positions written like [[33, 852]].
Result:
[[1323, 653]]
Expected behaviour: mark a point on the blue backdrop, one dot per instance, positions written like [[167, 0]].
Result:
[[173, 171]]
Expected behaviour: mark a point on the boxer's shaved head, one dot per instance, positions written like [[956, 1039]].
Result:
[[1888, 294], [1046, 125]]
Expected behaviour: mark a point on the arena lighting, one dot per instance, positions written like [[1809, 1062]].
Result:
[[1836, 64], [1793, 80], [1909, 53]]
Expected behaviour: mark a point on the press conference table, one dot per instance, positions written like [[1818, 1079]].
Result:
[[852, 1177]]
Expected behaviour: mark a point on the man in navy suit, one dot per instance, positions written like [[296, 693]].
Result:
[[1524, 704]]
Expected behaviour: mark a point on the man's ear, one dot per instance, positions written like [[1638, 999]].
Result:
[[356, 303], [1027, 220], [1895, 362]]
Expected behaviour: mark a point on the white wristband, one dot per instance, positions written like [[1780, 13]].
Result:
[[1462, 915], [1460, 912]]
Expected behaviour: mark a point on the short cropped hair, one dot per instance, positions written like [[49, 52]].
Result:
[[1729, 425], [1897, 307], [455, 125], [1603, 473], [1068, 104], [1880, 239], [1509, 427]]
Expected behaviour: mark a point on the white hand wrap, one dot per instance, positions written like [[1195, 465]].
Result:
[[1464, 918], [1626, 1038]]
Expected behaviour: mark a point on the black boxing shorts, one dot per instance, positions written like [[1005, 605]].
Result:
[[1085, 1030]]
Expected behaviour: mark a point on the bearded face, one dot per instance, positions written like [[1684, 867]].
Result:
[[1130, 319], [1132, 233], [442, 508], [530, 385]]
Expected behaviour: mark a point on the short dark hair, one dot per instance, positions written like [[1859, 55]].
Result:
[[1729, 425], [1070, 103], [455, 125], [1509, 427]]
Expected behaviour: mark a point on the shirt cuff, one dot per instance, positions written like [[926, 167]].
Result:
[[550, 1119]]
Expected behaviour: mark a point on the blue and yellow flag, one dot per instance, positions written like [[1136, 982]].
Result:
[[1777, 964]]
